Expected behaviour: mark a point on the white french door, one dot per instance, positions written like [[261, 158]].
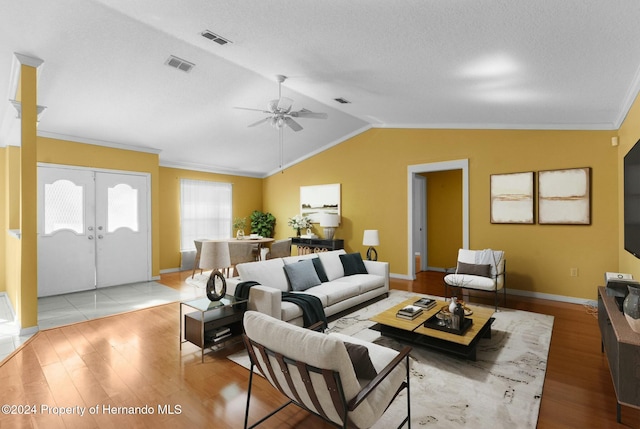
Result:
[[93, 229]]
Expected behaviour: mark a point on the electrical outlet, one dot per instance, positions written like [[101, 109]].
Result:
[[573, 272]]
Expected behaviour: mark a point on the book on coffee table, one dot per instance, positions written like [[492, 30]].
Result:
[[426, 303], [409, 312]]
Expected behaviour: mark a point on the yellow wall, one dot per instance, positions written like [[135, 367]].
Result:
[[372, 168], [247, 197], [10, 201], [629, 133], [444, 217]]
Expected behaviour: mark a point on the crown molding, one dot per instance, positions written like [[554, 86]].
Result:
[[210, 169], [50, 135], [604, 126]]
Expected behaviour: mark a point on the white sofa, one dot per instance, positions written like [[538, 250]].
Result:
[[337, 294]]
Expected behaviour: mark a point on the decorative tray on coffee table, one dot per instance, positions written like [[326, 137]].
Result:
[[434, 323]]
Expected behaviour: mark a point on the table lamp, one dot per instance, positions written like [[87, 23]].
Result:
[[329, 222], [215, 256], [371, 239]]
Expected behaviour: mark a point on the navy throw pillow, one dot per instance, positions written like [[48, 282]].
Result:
[[353, 264]]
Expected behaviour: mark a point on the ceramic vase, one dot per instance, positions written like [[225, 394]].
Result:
[[631, 308], [452, 304], [240, 234]]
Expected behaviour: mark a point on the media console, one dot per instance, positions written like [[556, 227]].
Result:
[[622, 348]]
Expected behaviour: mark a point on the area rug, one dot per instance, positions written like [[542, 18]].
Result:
[[501, 389]]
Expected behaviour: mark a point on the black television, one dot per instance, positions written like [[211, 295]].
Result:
[[632, 200]]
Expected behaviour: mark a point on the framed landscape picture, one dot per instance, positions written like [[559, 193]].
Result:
[[318, 200], [512, 198], [564, 196]]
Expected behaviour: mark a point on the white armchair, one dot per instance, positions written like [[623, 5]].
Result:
[[321, 373], [482, 270]]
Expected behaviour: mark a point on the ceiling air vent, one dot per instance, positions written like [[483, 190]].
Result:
[[214, 37], [342, 100], [179, 64]]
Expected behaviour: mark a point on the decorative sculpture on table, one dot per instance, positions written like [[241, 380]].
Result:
[[215, 256]]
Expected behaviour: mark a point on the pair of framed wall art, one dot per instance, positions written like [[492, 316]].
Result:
[[563, 197]]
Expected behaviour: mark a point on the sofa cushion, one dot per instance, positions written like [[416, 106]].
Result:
[[289, 311], [267, 273], [483, 270], [352, 264], [361, 361], [331, 263], [365, 282], [333, 292], [302, 275]]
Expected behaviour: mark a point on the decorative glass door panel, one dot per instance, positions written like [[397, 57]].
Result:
[[122, 208], [64, 201]]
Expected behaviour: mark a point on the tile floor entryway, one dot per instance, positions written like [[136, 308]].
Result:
[[59, 310]]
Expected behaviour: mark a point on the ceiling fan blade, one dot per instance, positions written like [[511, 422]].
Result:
[[255, 110], [284, 104], [292, 124], [261, 121], [304, 113]]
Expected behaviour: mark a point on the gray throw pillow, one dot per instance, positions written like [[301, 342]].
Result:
[[474, 269], [301, 275], [361, 361]]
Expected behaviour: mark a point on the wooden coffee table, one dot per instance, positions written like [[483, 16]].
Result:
[[415, 332]]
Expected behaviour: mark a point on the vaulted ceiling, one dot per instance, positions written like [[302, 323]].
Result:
[[522, 64]]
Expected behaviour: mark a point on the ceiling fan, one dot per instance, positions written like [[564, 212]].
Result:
[[280, 113]]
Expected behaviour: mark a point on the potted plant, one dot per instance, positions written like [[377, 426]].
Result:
[[262, 223], [239, 224]]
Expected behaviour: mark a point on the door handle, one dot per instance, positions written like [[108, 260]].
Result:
[[90, 228], [100, 237], [90, 237]]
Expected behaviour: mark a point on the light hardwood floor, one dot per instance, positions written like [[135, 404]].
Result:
[[133, 360]]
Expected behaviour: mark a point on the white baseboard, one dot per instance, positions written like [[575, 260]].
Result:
[[400, 276], [170, 270], [550, 297], [29, 331]]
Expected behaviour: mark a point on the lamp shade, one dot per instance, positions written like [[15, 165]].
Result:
[[214, 255], [329, 220], [371, 237]]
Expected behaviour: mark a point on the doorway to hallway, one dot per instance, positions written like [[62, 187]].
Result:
[[418, 222]]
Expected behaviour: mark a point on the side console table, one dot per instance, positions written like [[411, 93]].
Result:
[[213, 322], [315, 245], [622, 347]]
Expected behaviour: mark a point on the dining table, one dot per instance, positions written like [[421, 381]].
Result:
[[250, 241]]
